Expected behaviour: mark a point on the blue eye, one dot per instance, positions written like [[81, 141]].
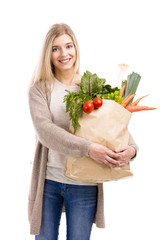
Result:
[[54, 49], [69, 46]]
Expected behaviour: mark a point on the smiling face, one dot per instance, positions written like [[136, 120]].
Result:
[[63, 53]]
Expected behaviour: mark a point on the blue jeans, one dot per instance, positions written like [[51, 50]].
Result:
[[80, 205]]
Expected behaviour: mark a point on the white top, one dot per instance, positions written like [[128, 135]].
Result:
[[57, 161]]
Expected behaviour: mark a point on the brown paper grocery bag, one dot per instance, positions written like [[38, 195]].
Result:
[[108, 126]]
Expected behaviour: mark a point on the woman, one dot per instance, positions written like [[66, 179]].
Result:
[[50, 190]]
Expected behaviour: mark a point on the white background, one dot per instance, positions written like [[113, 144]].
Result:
[[109, 33]]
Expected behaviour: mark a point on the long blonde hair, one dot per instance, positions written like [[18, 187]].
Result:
[[44, 72]]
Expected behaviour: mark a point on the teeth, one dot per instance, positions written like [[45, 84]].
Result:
[[67, 60]]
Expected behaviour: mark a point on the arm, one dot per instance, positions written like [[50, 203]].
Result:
[[49, 134], [127, 153], [132, 143], [58, 139], [120, 157]]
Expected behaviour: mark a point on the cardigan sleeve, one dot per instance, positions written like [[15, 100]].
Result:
[[49, 134], [132, 143]]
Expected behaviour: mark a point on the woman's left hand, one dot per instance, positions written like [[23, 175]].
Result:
[[125, 154]]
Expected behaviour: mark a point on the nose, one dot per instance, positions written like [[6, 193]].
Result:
[[63, 52]]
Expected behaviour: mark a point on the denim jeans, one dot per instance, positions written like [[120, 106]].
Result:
[[80, 205]]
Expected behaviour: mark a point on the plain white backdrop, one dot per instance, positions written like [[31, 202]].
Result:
[[109, 33]]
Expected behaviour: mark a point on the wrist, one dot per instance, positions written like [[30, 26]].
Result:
[[89, 149], [133, 152]]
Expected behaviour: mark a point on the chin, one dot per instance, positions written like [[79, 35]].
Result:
[[66, 68]]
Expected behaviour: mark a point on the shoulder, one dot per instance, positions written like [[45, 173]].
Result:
[[38, 98], [38, 89]]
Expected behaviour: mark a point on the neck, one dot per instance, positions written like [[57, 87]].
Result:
[[65, 77]]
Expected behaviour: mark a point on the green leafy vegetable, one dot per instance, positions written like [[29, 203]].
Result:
[[91, 86], [115, 96], [96, 84], [74, 102], [131, 84]]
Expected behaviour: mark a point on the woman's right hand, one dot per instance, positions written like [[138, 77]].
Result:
[[103, 155]]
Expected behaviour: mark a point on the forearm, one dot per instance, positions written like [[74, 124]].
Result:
[[133, 144]]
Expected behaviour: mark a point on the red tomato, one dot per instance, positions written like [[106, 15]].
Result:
[[97, 102], [88, 107]]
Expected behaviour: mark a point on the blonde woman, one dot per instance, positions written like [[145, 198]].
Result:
[[51, 191]]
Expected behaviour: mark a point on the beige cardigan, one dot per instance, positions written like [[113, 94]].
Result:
[[56, 138]]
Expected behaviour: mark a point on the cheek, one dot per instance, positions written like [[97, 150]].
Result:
[[74, 52]]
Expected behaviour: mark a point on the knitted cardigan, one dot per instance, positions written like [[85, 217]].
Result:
[[51, 136]]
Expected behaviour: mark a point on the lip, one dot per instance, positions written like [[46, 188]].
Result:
[[65, 60]]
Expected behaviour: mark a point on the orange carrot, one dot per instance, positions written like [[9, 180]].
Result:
[[122, 90], [137, 101], [127, 100], [134, 108]]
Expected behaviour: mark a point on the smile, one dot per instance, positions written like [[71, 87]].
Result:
[[65, 61]]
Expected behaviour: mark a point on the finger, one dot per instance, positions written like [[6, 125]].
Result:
[[121, 157], [108, 164], [121, 149], [99, 161], [111, 154], [111, 160], [122, 164]]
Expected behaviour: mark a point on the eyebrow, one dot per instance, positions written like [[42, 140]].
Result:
[[65, 44]]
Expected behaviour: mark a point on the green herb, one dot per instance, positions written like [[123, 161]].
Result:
[[91, 86], [74, 102]]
